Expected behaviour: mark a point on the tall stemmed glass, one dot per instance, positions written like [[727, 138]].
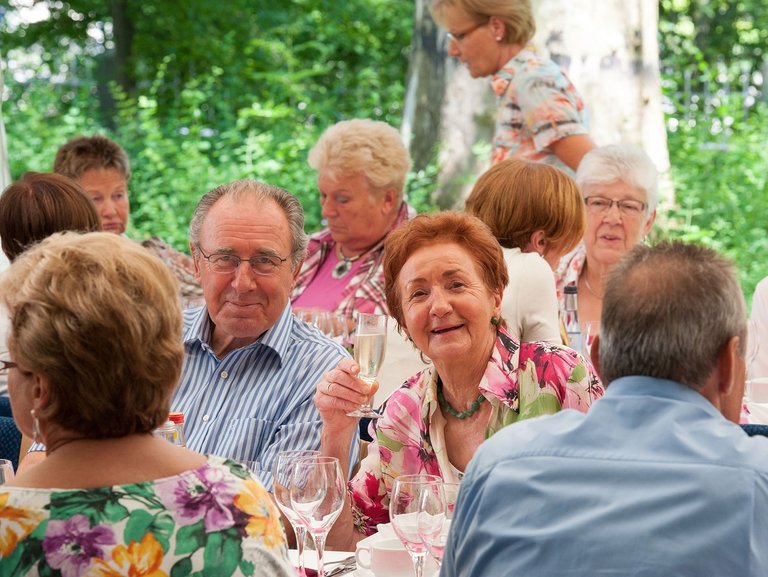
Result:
[[370, 345], [404, 513], [435, 514], [282, 477], [317, 496], [6, 471]]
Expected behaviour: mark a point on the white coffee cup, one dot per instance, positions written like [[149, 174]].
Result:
[[384, 558]]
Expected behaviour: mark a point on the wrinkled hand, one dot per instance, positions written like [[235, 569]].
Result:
[[340, 392]]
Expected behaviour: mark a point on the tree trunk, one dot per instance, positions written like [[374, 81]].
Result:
[[609, 50]]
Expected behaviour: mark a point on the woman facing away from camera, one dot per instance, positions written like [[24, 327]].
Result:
[[111, 498]]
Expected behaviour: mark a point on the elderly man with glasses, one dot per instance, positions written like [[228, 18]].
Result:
[[250, 367]]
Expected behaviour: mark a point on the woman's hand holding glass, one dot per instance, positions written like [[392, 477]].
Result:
[[317, 496]]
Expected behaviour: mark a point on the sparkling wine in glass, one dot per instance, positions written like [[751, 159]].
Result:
[[370, 345], [435, 514], [317, 497], [404, 513], [282, 476]]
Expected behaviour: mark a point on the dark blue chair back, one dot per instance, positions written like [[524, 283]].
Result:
[[5, 406], [10, 441], [755, 430]]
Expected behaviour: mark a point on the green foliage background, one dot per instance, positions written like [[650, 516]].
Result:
[[211, 92]]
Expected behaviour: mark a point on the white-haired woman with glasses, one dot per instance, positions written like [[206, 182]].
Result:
[[620, 188], [540, 116]]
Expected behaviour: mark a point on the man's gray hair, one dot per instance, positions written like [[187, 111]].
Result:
[[624, 162], [257, 191], [668, 312]]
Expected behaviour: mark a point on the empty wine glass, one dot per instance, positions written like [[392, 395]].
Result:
[[282, 476], [6, 471], [370, 345], [435, 514], [404, 513], [317, 497]]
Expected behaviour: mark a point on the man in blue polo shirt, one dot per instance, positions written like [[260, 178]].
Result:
[[657, 479], [251, 367]]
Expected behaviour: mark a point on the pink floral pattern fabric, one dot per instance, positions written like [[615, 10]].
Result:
[[521, 381], [538, 105]]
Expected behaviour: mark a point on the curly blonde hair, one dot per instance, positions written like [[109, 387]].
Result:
[[368, 147], [99, 317]]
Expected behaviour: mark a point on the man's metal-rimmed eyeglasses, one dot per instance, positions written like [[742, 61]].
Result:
[[6, 366], [459, 36], [261, 264], [627, 206]]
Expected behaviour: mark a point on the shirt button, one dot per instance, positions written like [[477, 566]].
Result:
[[206, 418], [224, 374]]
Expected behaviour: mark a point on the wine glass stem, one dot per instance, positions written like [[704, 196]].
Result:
[[301, 534], [418, 563], [320, 548]]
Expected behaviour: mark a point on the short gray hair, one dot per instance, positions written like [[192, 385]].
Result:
[[623, 162], [257, 191], [667, 313]]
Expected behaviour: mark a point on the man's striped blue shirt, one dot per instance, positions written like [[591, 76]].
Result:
[[257, 400]]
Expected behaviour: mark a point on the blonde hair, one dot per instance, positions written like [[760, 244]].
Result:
[[368, 147], [517, 15], [99, 317], [515, 198]]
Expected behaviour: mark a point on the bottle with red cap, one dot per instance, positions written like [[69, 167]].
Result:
[[178, 420]]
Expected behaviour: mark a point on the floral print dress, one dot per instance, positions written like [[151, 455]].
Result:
[[213, 520], [521, 381]]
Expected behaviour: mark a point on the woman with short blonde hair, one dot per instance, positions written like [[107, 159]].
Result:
[[540, 114], [361, 169]]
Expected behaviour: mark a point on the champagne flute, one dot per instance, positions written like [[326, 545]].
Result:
[[317, 496], [282, 473], [435, 514], [6, 471], [370, 345], [404, 513]]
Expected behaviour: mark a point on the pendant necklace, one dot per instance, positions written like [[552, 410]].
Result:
[[589, 288], [344, 265], [446, 406]]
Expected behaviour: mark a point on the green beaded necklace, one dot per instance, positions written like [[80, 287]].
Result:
[[445, 405]]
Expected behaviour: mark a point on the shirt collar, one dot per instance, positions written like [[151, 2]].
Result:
[[641, 386], [495, 380], [199, 328]]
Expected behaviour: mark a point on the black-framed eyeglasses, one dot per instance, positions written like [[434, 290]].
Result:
[[261, 264], [459, 36], [627, 206], [6, 366]]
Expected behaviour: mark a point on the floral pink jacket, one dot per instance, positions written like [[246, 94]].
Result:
[[522, 380]]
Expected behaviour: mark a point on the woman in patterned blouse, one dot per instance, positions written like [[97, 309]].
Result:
[[445, 275], [95, 352], [540, 116]]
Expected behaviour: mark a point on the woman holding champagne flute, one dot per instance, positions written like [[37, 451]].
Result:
[[445, 275]]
